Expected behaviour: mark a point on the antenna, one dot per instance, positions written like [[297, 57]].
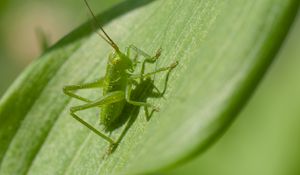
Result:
[[105, 37]]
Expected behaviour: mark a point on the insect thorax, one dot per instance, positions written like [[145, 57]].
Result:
[[116, 73]]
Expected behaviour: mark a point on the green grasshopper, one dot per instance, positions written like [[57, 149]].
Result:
[[117, 84]]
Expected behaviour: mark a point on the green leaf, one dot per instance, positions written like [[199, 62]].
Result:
[[223, 49]]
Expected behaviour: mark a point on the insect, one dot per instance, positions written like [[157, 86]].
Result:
[[117, 84]]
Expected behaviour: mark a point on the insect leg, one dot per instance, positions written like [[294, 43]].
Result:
[[161, 93], [168, 68], [139, 51], [136, 103], [148, 58], [107, 99], [157, 94], [68, 90], [148, 116], [111, 141]]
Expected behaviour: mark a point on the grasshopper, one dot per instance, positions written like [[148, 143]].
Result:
[[117, 84]]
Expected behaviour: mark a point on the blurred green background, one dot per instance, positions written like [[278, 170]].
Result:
[[264, 139], [23, 21]]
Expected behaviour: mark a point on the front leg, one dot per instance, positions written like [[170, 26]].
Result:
[[148, 58]]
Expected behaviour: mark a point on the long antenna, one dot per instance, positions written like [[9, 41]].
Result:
[[106, 37]]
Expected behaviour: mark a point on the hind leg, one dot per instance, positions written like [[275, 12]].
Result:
[[110, 98], [68, 90]]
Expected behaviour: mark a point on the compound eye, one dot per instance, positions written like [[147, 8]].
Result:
[[116, 60]]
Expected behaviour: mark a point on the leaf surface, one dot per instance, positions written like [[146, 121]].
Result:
[[223, 49]]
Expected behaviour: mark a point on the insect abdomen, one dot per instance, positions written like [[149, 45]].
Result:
[[110, 113]]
